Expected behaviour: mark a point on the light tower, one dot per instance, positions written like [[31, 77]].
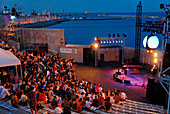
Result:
[[138, 32]]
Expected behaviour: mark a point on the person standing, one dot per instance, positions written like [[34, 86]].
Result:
[[33, 100]]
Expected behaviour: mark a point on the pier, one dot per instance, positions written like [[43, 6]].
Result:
[[39, 24]]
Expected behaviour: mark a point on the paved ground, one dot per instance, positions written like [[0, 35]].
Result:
[[104, 76]]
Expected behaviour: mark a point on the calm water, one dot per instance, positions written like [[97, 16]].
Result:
[[82, 32]]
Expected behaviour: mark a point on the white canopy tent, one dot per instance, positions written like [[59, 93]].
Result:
[[8, 59]]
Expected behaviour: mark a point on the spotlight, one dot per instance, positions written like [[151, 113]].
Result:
[[109, 35], [155, 60], [96, 45], [107, 41], [121, 41], [124, 35], [116, 41], [155, 54], [104, 41], [95, 38], [110, 41], [113, 41], [113, 35], [101, 42]]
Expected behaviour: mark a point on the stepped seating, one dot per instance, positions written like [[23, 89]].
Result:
[[145, 106], [134, 107], [6, 106]]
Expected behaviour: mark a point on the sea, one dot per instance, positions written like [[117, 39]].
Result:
[[83, 32]]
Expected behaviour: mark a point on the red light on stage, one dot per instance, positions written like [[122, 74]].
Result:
[[160, 33], [168, 34]]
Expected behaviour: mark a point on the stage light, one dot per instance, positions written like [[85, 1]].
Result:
[[124, 35], [148, 51], [95, 38], [5, 7], [107, 41], [121, 41], [116, 41], [104, 41], [155, 60], [109, 35], [113, 41], [96, 45], [110, 41], [150, 42], [155, 54], [101, 42]]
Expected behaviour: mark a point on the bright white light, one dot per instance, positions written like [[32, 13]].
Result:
[[144, 41], [96, 45], [153, 42], [13, 17]]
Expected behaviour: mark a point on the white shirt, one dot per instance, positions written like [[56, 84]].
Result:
[[4, 92], [58, 110], [112, 100], [82, 91], [23, 98], [87, 104], [123, 95]]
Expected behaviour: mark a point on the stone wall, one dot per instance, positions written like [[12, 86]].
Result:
[[53, 37]]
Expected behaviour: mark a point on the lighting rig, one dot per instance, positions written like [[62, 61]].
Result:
[[108, 40]]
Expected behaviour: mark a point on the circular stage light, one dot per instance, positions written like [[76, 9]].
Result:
[[153, 42]]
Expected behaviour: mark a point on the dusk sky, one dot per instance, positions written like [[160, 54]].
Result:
[[85, 5]]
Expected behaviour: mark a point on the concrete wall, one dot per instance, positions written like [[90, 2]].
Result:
[[110, 54], [79, 56], [54, 37]]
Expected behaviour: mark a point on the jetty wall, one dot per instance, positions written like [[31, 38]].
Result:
[[40, 24]]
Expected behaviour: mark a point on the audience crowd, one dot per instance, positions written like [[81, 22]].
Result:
[[49, 79]]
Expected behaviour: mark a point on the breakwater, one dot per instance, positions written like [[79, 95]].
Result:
[[40, 24]]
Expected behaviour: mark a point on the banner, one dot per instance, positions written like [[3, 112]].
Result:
[[68, 50]]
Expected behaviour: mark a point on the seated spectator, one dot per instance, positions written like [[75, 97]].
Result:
[[95, 102], [50, 94], [79, 105], [107, 104], [58, 109], [117, 98], [54, 102], [74, 106], [87, 103], [24, 99], [101, 99], [5, 93], [15, 100], [123, 96], [42, 97], [65, 103]]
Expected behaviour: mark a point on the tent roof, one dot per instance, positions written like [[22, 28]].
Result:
[[8, 59]]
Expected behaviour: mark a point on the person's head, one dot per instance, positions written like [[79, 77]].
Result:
[[59, 105]]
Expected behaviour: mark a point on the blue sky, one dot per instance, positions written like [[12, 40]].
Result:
[[85, 5]]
